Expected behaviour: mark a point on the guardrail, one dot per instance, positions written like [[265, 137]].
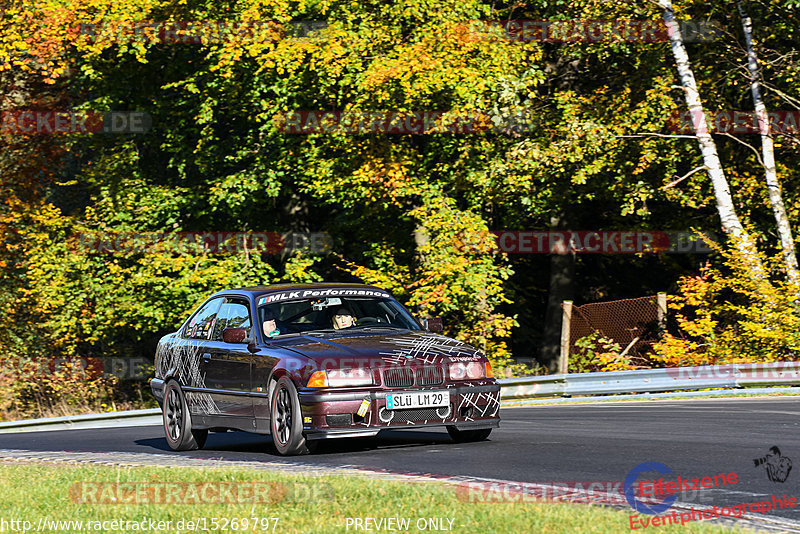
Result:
[[727, 376], [150, 416], [648, 383]]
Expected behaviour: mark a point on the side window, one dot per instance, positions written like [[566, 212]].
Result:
[[203, 321], [233, 314]]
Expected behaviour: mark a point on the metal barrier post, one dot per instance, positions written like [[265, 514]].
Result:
[[661, 302], [566, 319]]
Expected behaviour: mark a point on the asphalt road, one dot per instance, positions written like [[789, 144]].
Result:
[[597, 442]]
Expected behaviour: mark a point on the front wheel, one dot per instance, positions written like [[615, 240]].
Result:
[[467, 436], [178, 421], [286, 420]]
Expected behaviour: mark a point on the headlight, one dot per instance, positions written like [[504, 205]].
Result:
[[336, 378], [458, 371], [467, 371], [475, 370], [349, 377]]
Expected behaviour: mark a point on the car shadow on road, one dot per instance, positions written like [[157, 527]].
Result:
[[386, 439], [244, 442]]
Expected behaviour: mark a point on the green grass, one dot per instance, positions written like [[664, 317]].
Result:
[[314, 504]]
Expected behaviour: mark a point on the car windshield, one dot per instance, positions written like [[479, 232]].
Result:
[[332, 314]]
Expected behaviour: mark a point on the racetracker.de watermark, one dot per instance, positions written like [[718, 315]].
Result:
[[141, 524], [44, 122], [592, 31], [197, 32], [346, 364], [200, 242], [745, 373], [178, 493], [735, 122], [543, 31], [584, 491], [76, 367], [599, 242]]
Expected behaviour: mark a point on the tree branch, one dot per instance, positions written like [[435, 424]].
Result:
[[791, 100], [748, 145], [652, 134], [685, 176]]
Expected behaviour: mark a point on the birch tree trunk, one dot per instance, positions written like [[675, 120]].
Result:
[[731, 224], [768, 153]]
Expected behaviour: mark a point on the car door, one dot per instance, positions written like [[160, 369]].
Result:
[[227, 366], [189, 353], [264, 361]]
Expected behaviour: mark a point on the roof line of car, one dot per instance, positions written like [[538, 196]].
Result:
[[286, 287]]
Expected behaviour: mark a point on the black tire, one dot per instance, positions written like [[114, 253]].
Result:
[[467, 436], [178, 422], [286, 420]]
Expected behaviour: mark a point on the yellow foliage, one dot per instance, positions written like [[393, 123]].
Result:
[[595, 353], [726, 314]]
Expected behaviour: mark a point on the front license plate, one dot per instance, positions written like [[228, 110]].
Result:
[[417, 399]]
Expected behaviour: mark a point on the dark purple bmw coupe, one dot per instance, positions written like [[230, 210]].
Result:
[[309, 361]]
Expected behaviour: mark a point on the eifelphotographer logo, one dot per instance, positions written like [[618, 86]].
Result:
[[777, 466]]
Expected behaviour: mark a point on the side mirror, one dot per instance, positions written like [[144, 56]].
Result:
[[434, 324], [251, 343], [234, 335]]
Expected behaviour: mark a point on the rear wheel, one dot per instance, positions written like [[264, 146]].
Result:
[[466, 436], [178, 421], [286, 420]]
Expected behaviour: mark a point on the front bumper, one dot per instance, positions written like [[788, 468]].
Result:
[[157, 387], [328, 414]]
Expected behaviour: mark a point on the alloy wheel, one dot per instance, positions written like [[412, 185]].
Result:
[[284, 415], [174, 411]]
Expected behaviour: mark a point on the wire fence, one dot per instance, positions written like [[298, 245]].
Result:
[[634, 324]]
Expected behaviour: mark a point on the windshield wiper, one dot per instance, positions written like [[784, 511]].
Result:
[[379, 326], [319, 331]]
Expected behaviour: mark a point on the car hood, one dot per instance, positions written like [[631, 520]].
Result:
[[392, 347]]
